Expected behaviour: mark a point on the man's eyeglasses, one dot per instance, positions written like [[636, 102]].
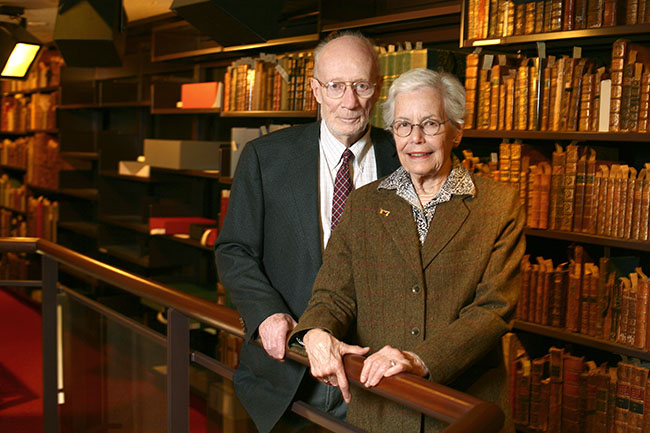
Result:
[[336, 89], [402, 128]]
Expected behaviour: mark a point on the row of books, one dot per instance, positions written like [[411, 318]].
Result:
[[560, 94], [563, 393], [395, 59], [605, 300], [501, 18], [14, 152], [43, 161], [46, 73], [270, 82], [13, 194], [576, 192], [12, 224], [42, 218], [15, 267], [35, 111]]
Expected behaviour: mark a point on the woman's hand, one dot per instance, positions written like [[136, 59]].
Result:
[[388, 362], [325, 354]]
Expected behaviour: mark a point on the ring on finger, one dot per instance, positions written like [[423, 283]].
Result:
[[326, 381], [392, 363]]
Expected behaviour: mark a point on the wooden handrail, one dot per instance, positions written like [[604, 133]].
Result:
[[463, 412]]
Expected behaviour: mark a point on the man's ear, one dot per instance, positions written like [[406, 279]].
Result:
[[315, 88]]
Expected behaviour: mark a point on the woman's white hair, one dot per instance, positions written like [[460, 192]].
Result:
[[447, 85]]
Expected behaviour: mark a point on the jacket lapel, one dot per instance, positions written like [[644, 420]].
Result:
[[397, 217], [303, 171], [447, 221]]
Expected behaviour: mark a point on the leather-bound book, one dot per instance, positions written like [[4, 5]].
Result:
[[602, 297], [645, 205], [521, 413], [557, 187], [601, 380], [594, 14], [544, 193], [539, 372], [556, 374], [572, 406], [509, 19], [532, 202], [590, 194], [483, 116], [580, 186], [573, 112], [593, 300], [611, 200], [586, 113], [588, 389], [548, 5], [524, 294], [595, 124], [533, 89], [510, 102], [602, 179], [580, 15], [635, 98], [547, 294], [632, 296], [539, 16], [643, 5], [471, 87], [495, 102], [642, 294], [567, 92], [539, 290], [558, 306], [557, 10], [546, 93], [628, 75], [610, 13], [532, 290], [620, 197], [572, 321], [516, 149], [570, 174], [568, 15], [557, 81], [493, 15], [529, 18], [504, 161], [585, 298], [626, 299], [632, 11], [619, 56], [629, 206], [637, 207], [520, 19], [638, 383], [621, 410], [644, 101], [522, 95]]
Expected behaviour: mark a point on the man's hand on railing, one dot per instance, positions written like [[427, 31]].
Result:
[[273, 332], [325, 354]]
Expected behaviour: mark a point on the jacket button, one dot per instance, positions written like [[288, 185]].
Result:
[[415, 289], [415, 331]]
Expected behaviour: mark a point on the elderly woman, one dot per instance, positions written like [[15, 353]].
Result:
[[422, 272]]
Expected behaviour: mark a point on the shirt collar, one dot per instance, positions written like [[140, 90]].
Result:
[[333, 148], [459, 182]]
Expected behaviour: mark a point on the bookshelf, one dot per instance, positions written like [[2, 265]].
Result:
[[583, 297]]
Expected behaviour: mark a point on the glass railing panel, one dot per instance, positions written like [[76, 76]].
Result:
[[113, 377]]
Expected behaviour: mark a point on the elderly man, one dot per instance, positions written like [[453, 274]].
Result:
[[287, 196]]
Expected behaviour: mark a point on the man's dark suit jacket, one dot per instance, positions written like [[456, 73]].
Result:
[[269, 252]]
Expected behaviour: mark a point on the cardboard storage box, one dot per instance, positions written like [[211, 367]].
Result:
[[183, 154], [134, 168], [202, 95]]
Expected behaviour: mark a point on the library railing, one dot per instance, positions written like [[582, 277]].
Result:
[[77, 393]]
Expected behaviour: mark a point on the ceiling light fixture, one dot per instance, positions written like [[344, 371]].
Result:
[[18, 47]]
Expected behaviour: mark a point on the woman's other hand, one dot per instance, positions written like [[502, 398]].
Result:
[[325, 354], [388, 362]]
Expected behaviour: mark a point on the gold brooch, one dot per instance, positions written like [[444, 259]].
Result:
[[384, 212]]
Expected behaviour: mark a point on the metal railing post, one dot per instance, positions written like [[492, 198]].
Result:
[[50, 271], [178, 372]]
